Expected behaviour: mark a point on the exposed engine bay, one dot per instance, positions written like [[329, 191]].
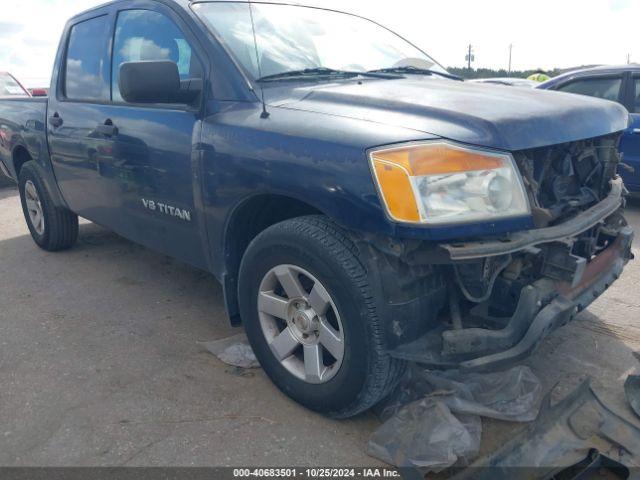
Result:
[[565, 179], [487, 302], [562, 181]]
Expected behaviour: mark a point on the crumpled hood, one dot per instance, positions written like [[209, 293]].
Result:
[[492, 116]]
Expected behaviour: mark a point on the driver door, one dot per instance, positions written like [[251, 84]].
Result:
[[150, 162]]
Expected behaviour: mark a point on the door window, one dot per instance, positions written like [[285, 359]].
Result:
[[606, 88], [86, 67], [636, 95], [144, 35]]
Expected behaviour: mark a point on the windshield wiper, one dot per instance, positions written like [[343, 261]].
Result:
[[416, 71], [325, 72]]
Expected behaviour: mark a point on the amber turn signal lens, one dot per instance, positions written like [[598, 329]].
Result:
[[397, 191], [444, 183]]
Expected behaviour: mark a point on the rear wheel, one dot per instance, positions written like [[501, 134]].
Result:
[[52, 228], [308, 311]]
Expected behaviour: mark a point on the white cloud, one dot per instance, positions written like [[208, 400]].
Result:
[[133, 48], [545, 33]]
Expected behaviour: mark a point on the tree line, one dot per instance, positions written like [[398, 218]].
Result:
[[472, 73]]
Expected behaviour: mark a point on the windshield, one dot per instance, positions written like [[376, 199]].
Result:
[[293, 38], [9, 87]]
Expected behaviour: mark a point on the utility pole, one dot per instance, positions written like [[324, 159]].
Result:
[[628, 59], [470, 57], [510, 56]]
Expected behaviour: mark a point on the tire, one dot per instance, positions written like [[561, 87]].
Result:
[[52, 228], [321, 256]]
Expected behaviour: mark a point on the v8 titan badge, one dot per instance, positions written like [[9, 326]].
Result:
[[167, 209]]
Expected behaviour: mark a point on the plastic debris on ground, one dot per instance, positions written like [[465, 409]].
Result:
[[234, 351], [578, 437], [432, 420], [632, 391]]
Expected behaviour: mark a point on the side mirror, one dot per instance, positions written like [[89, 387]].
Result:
[[149, 82]]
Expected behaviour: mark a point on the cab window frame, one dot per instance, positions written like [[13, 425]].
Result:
[[61, 90], [111, 11]]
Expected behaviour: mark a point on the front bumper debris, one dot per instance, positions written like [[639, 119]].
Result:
[[522, 240], [632, 391], [579, 437], [543, 306]]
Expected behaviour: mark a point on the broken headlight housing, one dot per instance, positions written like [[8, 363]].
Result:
[[440, 183]]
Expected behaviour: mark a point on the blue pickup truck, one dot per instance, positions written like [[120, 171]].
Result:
[[361, 207]]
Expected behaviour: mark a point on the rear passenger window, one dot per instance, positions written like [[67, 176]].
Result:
[[87, 66], [143, 35], [605, 88]]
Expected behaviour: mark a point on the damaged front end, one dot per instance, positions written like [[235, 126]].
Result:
[[485, 303]]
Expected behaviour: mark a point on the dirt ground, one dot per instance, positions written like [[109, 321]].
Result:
[[100, 365]]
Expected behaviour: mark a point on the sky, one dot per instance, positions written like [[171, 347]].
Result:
[[544, 33]]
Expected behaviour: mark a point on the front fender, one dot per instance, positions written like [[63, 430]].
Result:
[[318, 159]]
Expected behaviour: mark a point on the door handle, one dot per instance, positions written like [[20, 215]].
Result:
[[55, 120], [108, 129]]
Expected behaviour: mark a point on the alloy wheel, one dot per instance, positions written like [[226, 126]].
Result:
[[301, 323], [34, 207]]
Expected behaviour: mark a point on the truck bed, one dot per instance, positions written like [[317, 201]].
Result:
[[23, 124]]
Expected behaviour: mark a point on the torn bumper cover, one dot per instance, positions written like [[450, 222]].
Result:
[[543, 305]]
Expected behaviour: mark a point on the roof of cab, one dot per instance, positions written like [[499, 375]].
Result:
[[184, 4]]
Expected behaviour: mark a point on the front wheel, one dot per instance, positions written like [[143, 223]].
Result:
[[309, 314]]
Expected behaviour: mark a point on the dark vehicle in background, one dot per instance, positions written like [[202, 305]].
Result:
[[619, 84], [10, 87], [360, 206], [508, 81]]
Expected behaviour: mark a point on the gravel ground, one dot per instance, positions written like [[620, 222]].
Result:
[[99, 363]]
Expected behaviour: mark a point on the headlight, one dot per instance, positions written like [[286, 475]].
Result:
[[444, 183]]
